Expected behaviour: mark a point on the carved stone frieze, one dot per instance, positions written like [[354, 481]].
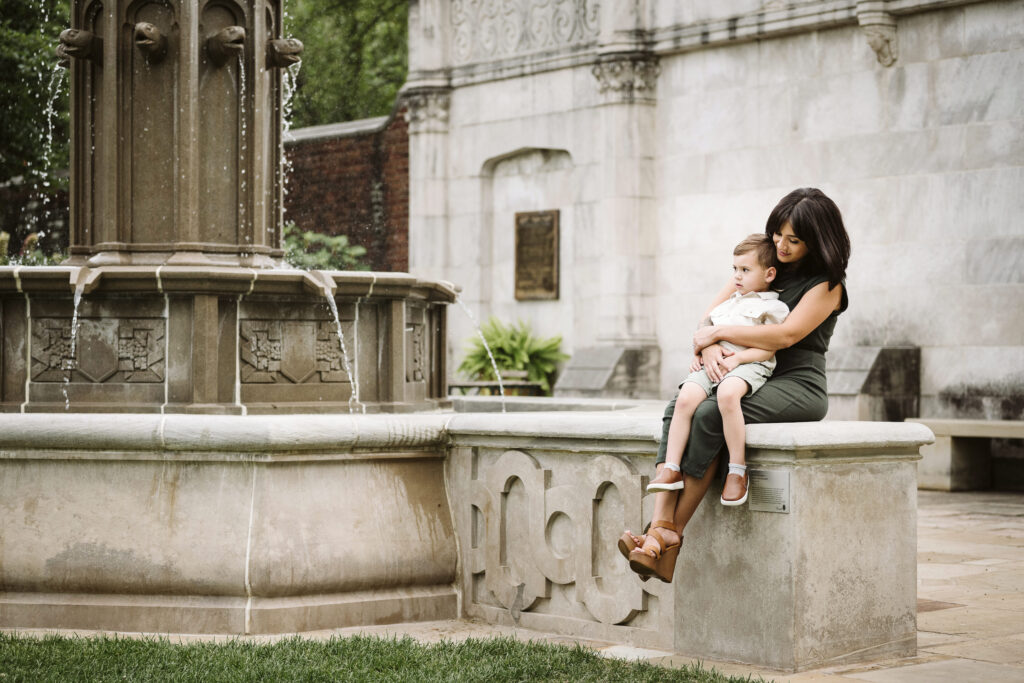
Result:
[[296, 352], [426, 111], [627, 77], [528, 536], [103, 350], [486, 30]]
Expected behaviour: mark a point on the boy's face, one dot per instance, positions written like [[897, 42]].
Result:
[[749, 275]]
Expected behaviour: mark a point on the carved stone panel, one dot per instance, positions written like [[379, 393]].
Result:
[[417, 358], [537, 255], [291, 351], [105, 349]]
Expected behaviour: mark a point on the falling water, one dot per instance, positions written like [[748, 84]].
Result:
[[353, 400], [70, 366], [54, 88], [243, 143], [289, 84], [487, 348]]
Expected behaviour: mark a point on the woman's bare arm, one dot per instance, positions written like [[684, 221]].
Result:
[[812, 310]]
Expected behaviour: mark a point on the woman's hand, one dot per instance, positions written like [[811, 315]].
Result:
[[714, 357], [704, 336]]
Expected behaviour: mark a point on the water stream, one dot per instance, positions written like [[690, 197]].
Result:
[[71, 361], [487, 348], [353, 399]]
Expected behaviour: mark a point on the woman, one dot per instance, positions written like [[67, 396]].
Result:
[[812, 251]]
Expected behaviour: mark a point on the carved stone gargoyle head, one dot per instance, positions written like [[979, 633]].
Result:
[[284, 52], [80, 45], [151, 41], [225, 43]]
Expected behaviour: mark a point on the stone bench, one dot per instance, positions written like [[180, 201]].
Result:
[[827, 577], [961, 459]]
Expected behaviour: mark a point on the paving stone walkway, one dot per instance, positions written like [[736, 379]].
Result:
[[970, 577]]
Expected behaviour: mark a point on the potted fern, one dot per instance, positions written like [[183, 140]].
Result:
[[517, 353]]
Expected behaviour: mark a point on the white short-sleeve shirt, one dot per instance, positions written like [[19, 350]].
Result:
[[752, 308]]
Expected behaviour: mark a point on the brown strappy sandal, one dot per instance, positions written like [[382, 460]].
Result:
[[663, 563]]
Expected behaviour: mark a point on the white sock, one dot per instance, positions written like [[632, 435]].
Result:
[[674, 468], [737, 469]]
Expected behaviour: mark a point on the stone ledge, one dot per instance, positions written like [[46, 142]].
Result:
[[219, 433], [807, 439]]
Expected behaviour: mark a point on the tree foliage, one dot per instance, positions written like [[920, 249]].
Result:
[[28, 83], [313, 251], [355, 58]]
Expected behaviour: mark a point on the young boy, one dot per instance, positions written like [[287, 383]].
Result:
[[748, 369]]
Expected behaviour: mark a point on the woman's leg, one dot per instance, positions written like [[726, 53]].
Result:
[[691, 496]]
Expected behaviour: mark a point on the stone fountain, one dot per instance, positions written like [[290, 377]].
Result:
[[175, 282], [142, 498]]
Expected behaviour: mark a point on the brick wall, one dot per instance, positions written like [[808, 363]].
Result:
[[353, 179]]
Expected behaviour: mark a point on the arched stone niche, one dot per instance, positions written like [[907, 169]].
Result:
[[525, 180]]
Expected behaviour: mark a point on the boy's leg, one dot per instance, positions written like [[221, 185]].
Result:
[[670, 478], [690, 396], [730, 391]]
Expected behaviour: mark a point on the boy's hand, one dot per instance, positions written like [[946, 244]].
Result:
[[730, 363], [695, 364]]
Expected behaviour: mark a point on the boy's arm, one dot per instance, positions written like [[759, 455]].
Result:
[[749, 355]]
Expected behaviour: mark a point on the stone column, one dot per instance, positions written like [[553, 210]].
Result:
[[626, 77], [427, 98]]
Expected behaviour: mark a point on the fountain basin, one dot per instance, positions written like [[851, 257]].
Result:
[[224, 524], [223, 340]]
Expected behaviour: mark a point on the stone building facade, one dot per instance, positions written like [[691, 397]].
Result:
[[665, 131]]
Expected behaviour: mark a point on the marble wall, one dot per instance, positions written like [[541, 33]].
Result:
[[664, 132]]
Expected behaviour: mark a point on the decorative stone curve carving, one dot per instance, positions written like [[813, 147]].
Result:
[[627, 78], [880, 28], [427, 111], [274, 351], [484, 30], [125, 350], [519, 571]]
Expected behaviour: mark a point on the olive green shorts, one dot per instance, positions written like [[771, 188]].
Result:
[[754, 374]]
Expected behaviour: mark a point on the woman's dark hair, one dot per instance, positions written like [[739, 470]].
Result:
[[816, 220]]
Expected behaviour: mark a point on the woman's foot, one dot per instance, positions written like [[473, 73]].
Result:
[[667, 480], [735, 490], [658, 554]]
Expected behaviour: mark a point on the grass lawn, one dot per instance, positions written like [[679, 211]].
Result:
[[360, 658]]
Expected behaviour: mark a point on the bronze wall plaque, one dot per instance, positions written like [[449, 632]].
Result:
[[537, 255]]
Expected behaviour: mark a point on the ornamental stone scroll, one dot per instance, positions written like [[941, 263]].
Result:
[[512, 543]]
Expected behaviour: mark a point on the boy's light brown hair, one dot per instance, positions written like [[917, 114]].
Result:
[[760, 243]]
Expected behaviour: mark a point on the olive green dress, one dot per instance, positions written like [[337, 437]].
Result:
[[795, 392]]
